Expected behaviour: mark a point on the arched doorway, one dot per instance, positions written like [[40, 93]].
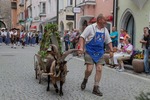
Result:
[[2, 24], [70, 25], [128, 23], [61, 28], [41, 28]]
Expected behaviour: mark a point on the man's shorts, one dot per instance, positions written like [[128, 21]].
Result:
[[89, 60]]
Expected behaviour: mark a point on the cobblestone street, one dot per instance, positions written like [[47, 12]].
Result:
[[17, 80]]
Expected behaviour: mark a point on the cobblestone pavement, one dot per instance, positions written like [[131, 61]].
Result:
[[17, 80]]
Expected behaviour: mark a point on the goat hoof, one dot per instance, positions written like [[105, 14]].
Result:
[[57, 90], [61, 94], [47, 89]]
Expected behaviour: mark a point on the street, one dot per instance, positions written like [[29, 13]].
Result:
[[17, 79]]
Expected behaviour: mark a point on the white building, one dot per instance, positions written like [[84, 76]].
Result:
[[41, 12], [66, 16]]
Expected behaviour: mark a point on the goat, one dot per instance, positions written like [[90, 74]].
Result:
[[58, 68]]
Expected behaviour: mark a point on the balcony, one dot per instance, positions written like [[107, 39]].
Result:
[[87, 2], [13, 5]]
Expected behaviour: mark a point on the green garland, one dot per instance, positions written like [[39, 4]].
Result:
[[50, 30]]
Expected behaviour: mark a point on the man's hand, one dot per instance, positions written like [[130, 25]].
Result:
[[81, 51], [111, 54]]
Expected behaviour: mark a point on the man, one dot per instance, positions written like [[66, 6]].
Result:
[[93, 38], [146, 46], [114, 37]]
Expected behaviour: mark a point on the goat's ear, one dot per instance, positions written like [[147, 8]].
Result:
[[64, 62]]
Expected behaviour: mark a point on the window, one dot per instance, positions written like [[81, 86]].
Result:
[[21, 16], [69, 2], [43, 7]]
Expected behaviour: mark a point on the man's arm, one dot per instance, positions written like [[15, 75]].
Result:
[[81, 44], [110, 46]]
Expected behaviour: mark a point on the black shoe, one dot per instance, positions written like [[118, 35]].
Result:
[[96, 91], [83, 85]]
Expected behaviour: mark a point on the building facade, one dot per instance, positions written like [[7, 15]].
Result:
[[66, 16], [5, 14], [90, 9], [40, 13], [133, 15]]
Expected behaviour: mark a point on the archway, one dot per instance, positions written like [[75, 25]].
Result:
[[61, 28], [41, 28], [2, 24], [70, 25], [128, 23]]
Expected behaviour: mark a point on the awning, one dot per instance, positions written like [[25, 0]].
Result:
[[92, 20], [33, 27]]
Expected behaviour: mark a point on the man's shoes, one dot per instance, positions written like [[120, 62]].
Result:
[[83, 85], [96, 91]]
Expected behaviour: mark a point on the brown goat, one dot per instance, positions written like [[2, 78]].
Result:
[[58, 68]]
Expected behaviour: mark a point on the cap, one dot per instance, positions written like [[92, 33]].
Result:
[[122, 38]]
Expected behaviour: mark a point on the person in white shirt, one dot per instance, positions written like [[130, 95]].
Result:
[[13, 36], [92, 39], [123, 54], [4, 34]]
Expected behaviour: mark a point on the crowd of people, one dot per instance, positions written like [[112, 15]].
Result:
[[71, 39], [124, 49], [15, 37]]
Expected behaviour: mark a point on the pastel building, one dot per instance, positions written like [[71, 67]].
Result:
[[90, 9]]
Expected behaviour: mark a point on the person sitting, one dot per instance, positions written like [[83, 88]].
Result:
[[117, 51], [123, 54]]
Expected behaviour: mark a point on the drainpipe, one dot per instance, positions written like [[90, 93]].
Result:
[[57, 12], [75, 16], [115, 12]]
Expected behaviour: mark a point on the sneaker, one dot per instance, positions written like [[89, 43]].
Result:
[[121, 70]]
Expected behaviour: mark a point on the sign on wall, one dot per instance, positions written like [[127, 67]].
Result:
[[76, 10]]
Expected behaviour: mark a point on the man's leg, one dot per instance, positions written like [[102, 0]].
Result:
[[146, 63], [98, 74], [88, 72]]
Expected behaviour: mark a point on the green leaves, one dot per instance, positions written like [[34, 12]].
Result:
[[49, 36], [143, 96]]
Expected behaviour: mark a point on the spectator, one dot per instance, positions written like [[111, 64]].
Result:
[[145, 45], [66, 40], [1, 39], [116, 54], [125, 54], [114, 37], [126, 35]]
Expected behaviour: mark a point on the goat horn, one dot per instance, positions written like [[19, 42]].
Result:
[[55, 50], [67, 53]]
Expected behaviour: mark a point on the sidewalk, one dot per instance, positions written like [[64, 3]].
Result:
[[128, 70]]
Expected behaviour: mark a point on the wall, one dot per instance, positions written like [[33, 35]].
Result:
[[141, 17]]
